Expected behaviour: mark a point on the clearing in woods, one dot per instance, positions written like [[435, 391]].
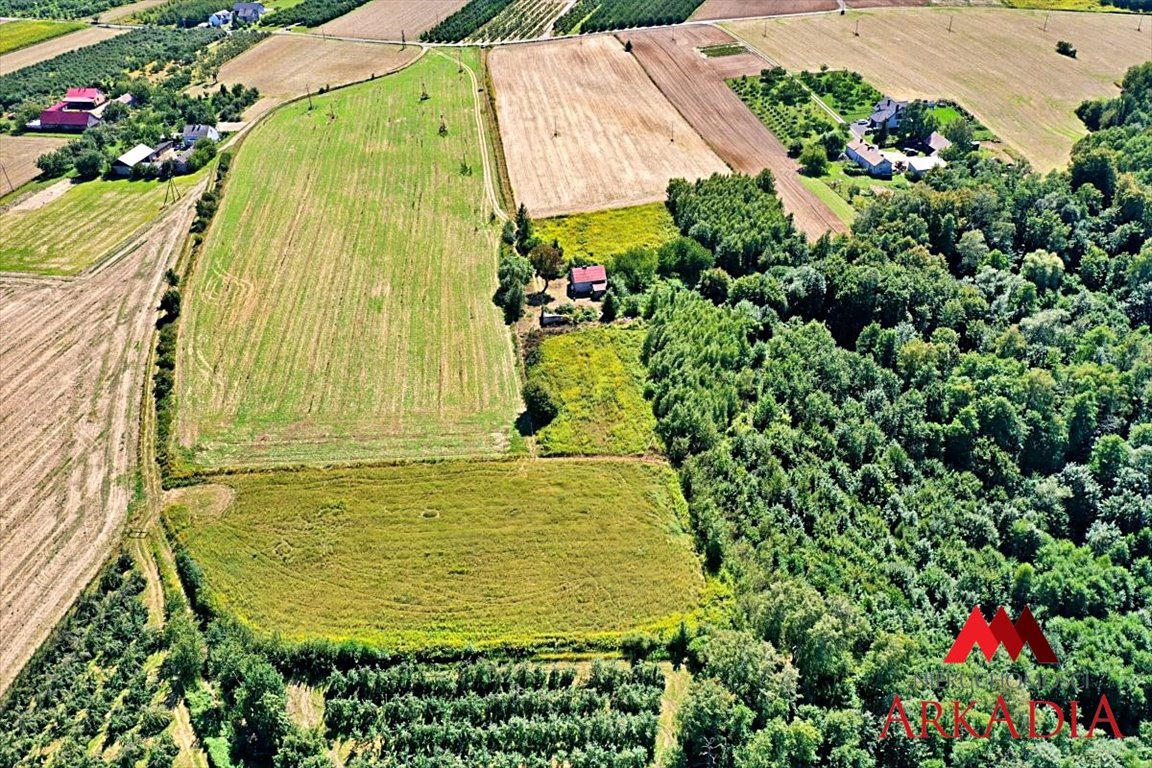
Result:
[[596, 379], [18, 157], [24, 32], [50, 49], [598, 236], [697, 85], [584, 128], [910, 54], [341, 309], [87, 220], [493, 553], [389, 19]]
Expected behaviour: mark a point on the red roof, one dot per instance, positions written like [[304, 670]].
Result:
[[593, 274], [57, 115], [89, 94]]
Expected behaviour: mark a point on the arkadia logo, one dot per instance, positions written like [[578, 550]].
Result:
[[989, 636]]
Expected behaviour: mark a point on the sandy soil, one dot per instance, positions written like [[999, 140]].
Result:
[[736, 9], [695, 84], [1022, 89], [18, 158], [585, 129], [286, 66], [48, 49], [387, 19], [73, 355], [42, 197]]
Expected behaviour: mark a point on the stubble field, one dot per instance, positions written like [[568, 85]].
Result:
[[696, 85], [341, 308], [49, 49], [388, 19], [1000, 64], [18, 158], [736, 9], [585, 129], [415, 556]]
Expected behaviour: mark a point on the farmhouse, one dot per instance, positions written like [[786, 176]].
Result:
[[58, 118], [869, 157], [220, 18], [887, 113], [193, 133], [132, 158], [249, 12], [587, 281], [83, 98]]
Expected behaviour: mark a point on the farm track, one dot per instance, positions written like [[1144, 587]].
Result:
[[696, 86], [69, 410]]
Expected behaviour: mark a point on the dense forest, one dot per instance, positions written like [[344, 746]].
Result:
[[950, 407]]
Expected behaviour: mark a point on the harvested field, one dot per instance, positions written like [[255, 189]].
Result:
[[18, 158], [50, 49], [125, 11], [908, 54], [286, 66], [585, 129], [696, 85], [69, 411], [401, 353], [411, 557], [739, 9], [387, 19]]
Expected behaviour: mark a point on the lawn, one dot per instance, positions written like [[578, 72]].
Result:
[[341, 309], [505, 553], [20, 34], [597, 380], [598, 236], [839, 205], [86, 222]]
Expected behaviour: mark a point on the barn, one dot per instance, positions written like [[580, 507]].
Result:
[[58, 118]]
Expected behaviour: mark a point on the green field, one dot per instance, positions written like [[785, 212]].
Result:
[[598, 236], [341, 308], [20, 34], [86, 223], [521, 553], [596, 378]]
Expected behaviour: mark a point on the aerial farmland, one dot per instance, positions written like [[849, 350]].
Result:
[[574, 383]]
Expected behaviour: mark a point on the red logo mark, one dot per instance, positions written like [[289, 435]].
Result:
[[1000, 631]]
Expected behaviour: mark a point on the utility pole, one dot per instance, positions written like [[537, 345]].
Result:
[[1046, 17], [309, 97], [857, 32], [950, 19]]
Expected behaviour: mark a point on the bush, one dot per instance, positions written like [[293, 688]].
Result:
[[1065, 48]]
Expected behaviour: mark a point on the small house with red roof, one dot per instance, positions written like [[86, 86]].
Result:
[[84, 99], [591, 281]]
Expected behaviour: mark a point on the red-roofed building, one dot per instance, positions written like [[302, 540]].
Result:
[[84, 98], [57, 118], [587, 281]]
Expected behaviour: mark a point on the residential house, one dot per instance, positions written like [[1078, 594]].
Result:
[[83, 99], [869, 157], [58, 118], [587, 281], [193, 133], [249, 13], [128, 161], [220, 18], [886, 113]]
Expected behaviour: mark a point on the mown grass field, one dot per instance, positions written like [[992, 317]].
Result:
[[20, 33], [341, 309], [600, 235], [521, 553], [597, 379], [73, 231]]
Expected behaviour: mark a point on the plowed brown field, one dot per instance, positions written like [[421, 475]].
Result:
[[738, 9], [585, 129], [74, 356], [34, 54], [18, 158], [695, 85], [1000, 64], [387, 19]]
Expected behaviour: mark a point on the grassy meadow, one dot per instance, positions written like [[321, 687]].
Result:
[[73, 231], [341, 307], [520, 553], [597, 379], [598, 236], [22, 33]]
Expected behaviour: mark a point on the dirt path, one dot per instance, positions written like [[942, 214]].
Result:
[[72, 366]]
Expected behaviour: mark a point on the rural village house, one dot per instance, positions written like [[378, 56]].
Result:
[[72, 113], [220, 18], [587, 281], [193, 133], [869, 157], [887, 113], [249, 12]]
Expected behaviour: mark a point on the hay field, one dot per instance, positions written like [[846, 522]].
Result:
[[87, 222], [341, 308], [696, 85], [585, 129], [24, 32], [50, 49], [596, 378], [600, 235], [998, 63], [18, 158], [284, 67], [448, 555], [387, 19]]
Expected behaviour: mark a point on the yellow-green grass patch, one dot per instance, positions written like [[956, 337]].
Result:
[[596, 378], [22, 33], [531, 553], [600, 235], [341, 308]]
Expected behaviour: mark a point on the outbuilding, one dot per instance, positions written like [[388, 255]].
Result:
[[869, 157], [132, 158], [591, 281], [59, 118]]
